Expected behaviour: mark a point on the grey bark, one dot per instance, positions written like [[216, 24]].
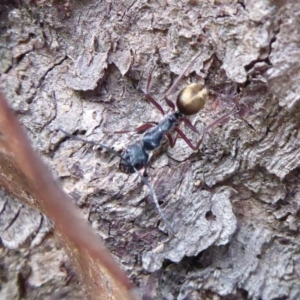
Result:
[[234, 204]]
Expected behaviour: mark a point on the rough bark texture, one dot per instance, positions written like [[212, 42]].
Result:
[[234, 204], [24, 175]]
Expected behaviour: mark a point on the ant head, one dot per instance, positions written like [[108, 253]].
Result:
[[134, 157], [191, 99]]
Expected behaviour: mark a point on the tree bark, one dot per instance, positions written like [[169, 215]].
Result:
[[83, 66]]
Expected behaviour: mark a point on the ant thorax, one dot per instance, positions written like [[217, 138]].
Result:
[[153, 137], [137, 155]]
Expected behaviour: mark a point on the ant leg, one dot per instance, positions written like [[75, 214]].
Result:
[[141, 129], [206, 130], [171, 140], [184, 137], [150, 99], [188, 123], [169, 102], [171, 89], [221, 119]]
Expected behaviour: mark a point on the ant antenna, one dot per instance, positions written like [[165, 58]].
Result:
[[143, 179]]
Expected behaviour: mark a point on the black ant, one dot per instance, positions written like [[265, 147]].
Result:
[[136, 156], [190, 100]]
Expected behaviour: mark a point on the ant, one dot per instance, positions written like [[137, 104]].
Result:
[[190, 101], [136, 156]]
